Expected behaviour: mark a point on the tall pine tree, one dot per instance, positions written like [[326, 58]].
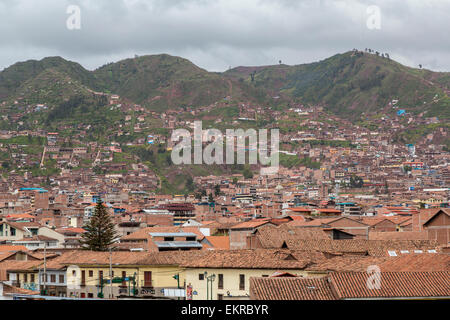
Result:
[[101, 232]]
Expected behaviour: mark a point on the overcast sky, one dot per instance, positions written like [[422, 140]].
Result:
[[218, 34]]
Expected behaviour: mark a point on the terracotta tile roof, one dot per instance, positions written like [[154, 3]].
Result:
[[349, 285], [71, 230], [40, 255], [9, 248], [84, 257], [346, 264], [16, 265], [23, 225], [377, 248], [406, 235], [20, 216], [247, 259], [426, 262], [219, 242], [372, 221], [300, 209], [329, 210], [290, 289], [6, 254], [251, 224], [274, 237], [303, 223]]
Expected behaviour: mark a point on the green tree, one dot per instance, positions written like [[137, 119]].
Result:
[[6, 165], [101, 233], [190, 184], [356, 182], [248, 174], [217, 190]]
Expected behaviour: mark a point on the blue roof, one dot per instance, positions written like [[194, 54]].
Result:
[[33, 189]]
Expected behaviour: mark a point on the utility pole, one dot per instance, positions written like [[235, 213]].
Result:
[[177, 277], [209, 280], [207, 286]]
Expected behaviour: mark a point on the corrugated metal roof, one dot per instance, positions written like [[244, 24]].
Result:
[[178, 244], [172, 234]]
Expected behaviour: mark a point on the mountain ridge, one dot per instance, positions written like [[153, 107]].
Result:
[[352, 84]]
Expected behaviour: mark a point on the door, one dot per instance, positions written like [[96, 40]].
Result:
[[147, 279]]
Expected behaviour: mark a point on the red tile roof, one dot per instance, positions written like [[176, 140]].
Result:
[[424, 262], [406, 235], [290, 289], [219, 242], [348, 285], [251, 224]]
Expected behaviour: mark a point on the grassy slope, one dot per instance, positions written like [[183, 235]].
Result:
[[350, 85]]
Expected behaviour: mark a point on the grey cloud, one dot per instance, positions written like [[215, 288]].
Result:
[[216, 34]]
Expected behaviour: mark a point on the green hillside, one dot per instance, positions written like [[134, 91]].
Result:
[[163, 81], [350, 84], [24, 76], [347, 84]]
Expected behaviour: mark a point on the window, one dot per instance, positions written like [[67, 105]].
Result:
[[220, 282], [100, 274], [418, 251], [53, 278], [392, 253], [13, 232], [242, 282], [220, 297], [201, 276], [91, 273], [32, 278], [265, 276], [90, 295], [432, 251], [169, 238], [190, 239], [61, 278], [25, 278]]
